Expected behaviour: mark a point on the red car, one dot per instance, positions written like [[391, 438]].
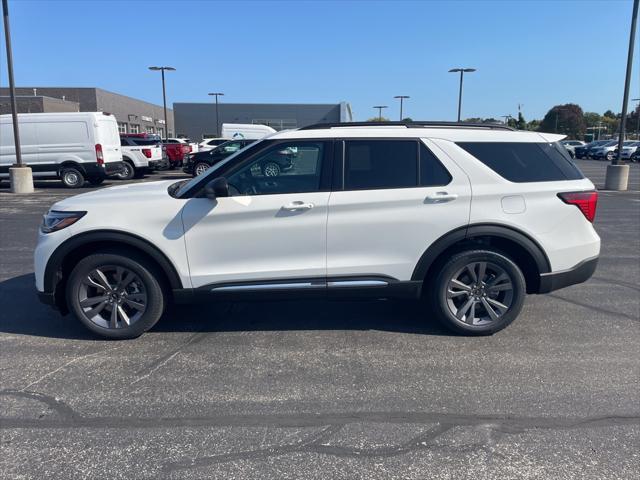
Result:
[[175, 151]]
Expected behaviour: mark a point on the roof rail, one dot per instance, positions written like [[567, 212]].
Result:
[[412, 124]]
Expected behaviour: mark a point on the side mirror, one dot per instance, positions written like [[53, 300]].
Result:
[[218, 187]]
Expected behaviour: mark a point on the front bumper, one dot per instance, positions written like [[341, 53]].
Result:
[[580, 273]]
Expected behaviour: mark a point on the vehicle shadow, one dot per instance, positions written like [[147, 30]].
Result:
[[22, 314]]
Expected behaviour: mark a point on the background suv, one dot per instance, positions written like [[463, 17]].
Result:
[[469, 218], [196, 163]]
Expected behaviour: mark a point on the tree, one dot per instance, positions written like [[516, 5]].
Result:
[[567, 119], [378, 119], [522, 124], [533, 125], [407, 119], [610, 114]]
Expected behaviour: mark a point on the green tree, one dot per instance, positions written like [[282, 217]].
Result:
[[378, 119], [567, 119], [407, 119], [522, 124], [609, 114], [533, 125]]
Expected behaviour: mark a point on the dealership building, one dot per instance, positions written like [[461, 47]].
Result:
[[133, 115], [198, 120]]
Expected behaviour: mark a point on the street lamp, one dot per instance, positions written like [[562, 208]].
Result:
[[462, 72], [380, 107], [217, 94], [401, 97], [164, 97]]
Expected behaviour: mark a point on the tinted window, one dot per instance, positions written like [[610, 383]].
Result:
[[371, 164], [140, 141], [525, 162], [292, 167], [432, 172]]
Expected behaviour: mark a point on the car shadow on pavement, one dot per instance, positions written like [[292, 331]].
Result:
[[22, 314]]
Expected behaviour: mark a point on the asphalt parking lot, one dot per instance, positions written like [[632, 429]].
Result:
[[326, 390]]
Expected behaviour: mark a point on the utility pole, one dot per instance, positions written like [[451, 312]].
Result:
[[21, 177], [401, 97], [617, 174]]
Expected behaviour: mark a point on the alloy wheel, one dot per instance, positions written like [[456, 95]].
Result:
[[271, 170], [112, 297], [480, 293], [71, 178], [200, 169]]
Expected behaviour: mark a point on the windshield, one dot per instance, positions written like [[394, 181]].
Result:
[[211, 171]]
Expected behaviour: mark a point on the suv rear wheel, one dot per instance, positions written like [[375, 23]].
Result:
[[200, 168], [114, 295], [477, 292]]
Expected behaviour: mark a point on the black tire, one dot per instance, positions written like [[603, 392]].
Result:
[[271, 169], [96, 181], [200, 166], [71, 177], [128, 170], [442, 304], [147, 280]]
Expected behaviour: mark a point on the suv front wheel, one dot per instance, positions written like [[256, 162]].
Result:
[[477, 292], [114, 295]]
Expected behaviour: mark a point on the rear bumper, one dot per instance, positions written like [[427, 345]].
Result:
[[578, 274]]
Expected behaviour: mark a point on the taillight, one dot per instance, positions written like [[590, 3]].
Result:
[[585, 201], [146, 152], [99, 154]]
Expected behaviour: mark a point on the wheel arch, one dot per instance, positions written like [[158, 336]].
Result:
[[520, 247], [64, 258]]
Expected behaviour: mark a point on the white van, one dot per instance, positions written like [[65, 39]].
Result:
[[71, 146], [247, 131]]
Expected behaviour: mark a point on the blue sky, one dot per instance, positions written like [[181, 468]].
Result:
[[536, 53]]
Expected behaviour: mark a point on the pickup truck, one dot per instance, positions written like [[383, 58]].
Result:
[[140, 155]]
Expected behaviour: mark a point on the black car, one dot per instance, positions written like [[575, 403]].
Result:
[[272, 166], [585, 150]]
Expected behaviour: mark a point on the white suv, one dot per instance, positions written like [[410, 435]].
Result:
[[468, 217]]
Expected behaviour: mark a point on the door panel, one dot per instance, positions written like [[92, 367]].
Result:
[[385, 231], [257, 237]]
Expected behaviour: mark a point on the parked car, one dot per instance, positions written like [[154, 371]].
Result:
[[193, 146], [583, 152], [604, 151], [71, 146], [210, 143], [469, 218], [140, 155], [197, 163], [628, 150], [570, 145]]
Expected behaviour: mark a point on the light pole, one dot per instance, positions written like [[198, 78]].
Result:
[[380, 107], [217, 94], [617, 177], [462, 72], [164, 98], [401, 97], [20, 176]]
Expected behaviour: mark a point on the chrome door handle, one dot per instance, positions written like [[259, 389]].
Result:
[[442, 197], [298, 206]]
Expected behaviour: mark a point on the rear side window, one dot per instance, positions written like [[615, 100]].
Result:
[[432, 172], [375, 164], [525, 162]]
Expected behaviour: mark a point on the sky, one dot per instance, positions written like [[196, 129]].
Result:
[[533, 53]]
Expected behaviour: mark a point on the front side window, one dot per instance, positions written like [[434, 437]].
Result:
[[291, 167], [376, 164], [525, 162]]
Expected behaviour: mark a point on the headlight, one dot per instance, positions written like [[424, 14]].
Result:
[[54, 221]]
